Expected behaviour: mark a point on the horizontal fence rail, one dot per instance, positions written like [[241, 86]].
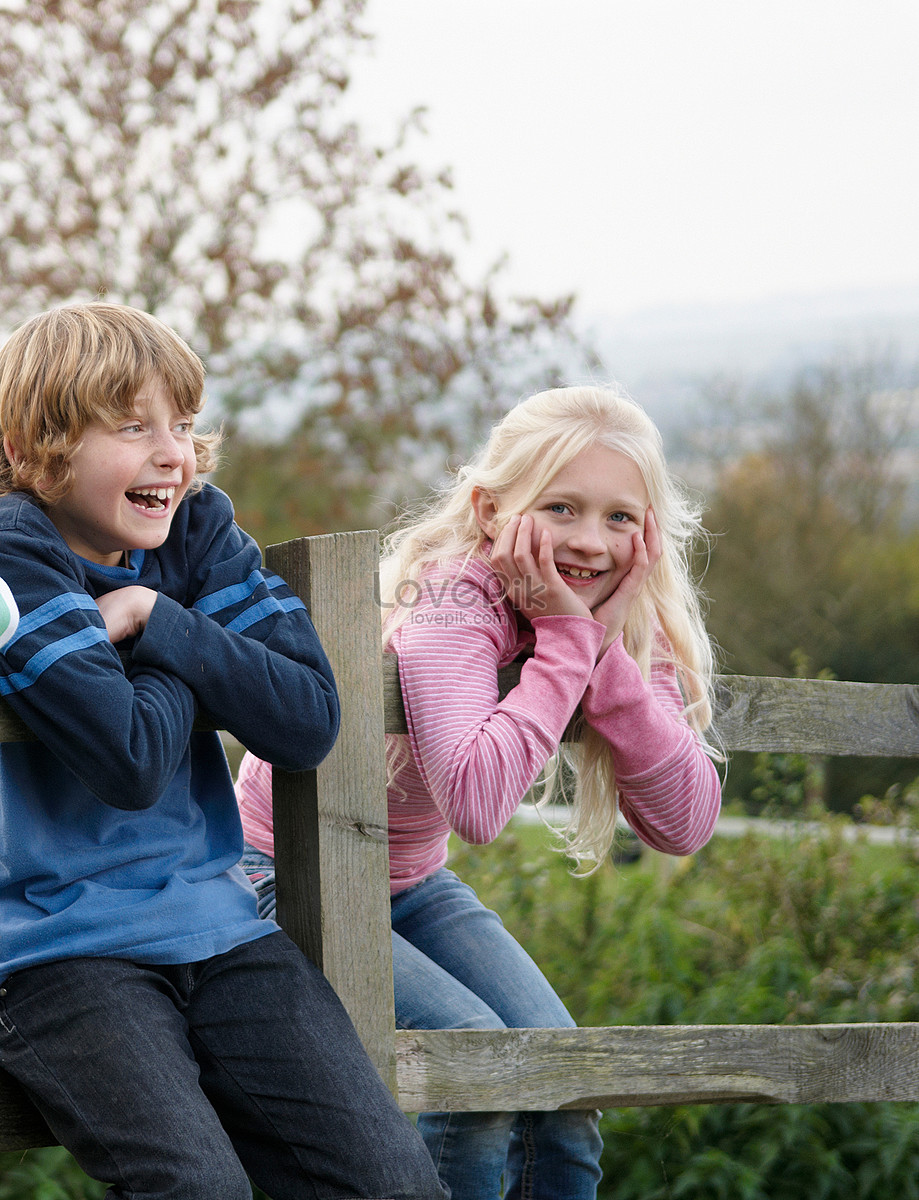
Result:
[[755, 713], [635, 1065], [804, 716]]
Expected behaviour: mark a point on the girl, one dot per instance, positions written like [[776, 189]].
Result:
[[564, 543]]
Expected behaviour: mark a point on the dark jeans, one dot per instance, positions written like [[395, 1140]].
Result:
[[178, 1081]]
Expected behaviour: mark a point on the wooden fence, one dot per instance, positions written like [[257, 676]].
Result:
[[333, 898]]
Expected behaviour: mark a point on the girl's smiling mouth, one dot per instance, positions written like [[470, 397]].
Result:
[[577, 573]]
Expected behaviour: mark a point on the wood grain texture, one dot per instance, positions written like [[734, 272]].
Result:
[[330, 825], [818, 716], [808, 716], [538, 1069]]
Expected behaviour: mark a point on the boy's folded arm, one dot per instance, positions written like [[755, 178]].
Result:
[[243, 642], [123, 738], [274, 693]]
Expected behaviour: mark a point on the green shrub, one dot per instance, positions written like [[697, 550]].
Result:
[[46, 1174], [808, 928]]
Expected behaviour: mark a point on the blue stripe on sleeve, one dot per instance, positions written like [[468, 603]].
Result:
[[228, 596], [238, 593], [265, 608], [51, 610], [49, 655]]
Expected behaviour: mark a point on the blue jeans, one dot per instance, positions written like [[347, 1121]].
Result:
[[456, 967], [175, 1082]]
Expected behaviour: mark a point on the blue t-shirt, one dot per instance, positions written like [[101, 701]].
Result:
[[119, 830]]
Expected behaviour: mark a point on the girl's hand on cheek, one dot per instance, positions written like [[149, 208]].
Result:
[[646, 553], [523, 560]]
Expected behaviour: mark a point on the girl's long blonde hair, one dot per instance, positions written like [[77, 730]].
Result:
[[525, 451]]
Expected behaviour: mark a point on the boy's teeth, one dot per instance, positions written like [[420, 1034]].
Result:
[[155, 497]]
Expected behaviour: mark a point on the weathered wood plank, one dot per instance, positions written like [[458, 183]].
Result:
[[330, 825], [818, 716], [809, 716], [539, 1069]]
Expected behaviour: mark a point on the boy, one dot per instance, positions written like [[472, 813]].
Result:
[[173, 1040]]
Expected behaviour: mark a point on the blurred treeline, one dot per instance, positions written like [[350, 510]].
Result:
[[813, 508], [202, 161]]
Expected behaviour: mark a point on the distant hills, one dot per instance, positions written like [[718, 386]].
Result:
[[665, 356]]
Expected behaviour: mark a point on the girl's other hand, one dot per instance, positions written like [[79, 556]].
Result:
[[646, 553]]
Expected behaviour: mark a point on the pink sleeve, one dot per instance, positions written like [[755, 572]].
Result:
[[669, 790], [477, 755], [253, 795]]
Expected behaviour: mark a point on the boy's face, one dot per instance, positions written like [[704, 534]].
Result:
[[128, 481]]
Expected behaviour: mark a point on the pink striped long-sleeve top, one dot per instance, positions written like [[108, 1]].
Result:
[[472, 757]]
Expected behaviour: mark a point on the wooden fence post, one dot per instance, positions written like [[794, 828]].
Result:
[[330, 824]]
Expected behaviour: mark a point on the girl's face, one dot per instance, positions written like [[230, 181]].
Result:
[[592, 509]]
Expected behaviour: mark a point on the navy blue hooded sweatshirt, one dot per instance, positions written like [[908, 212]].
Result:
[[119, 830]]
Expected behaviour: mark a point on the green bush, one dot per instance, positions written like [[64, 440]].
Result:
[[762, 1152], [808, 928], [47, 1174]]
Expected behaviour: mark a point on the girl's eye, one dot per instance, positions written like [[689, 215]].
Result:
[[620, 517], [558, 508]]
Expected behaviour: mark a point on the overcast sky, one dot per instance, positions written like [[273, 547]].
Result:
[[649, 152]]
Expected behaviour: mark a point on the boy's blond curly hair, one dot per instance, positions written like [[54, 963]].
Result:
[[71, 366]]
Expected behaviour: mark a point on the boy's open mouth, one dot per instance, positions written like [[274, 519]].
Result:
[[151, 497]]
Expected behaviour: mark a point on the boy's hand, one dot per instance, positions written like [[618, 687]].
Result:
[[126, 611]]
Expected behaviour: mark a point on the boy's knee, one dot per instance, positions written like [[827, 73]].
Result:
[[212, 1175], [420, 1175]]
